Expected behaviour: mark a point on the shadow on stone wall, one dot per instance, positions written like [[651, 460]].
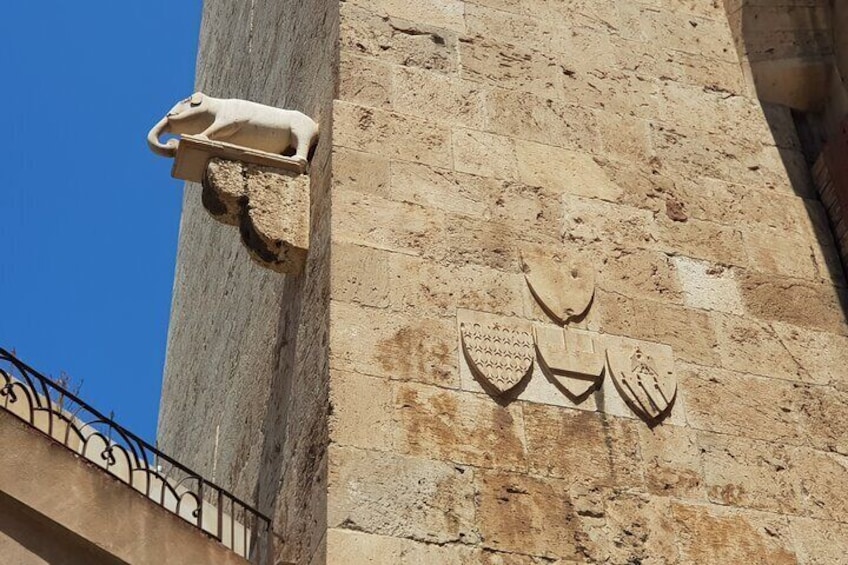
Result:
[[792, 54]]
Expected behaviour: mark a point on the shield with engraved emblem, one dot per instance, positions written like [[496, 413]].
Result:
[[499, 356], [564, 290], [644, 377]]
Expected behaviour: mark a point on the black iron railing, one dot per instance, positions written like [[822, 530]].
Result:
[[61, 415]]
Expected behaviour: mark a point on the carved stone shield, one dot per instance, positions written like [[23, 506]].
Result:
[[644, 377], [570, 362], [500, 356], [564, 290]]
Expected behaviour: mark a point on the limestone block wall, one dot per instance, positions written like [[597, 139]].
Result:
[[458, 137], [244, 399], [469, 132], [783, 29]]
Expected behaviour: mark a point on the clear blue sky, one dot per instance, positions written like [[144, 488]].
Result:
[[90, 217]]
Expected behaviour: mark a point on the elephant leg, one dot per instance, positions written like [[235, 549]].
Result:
[[301, 143], [221, 131]]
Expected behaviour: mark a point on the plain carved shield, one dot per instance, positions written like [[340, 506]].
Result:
[[569, 361], [644, 376], [564, 290], [497, 355]]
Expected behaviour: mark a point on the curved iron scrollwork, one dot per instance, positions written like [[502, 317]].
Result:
[[61, 415]]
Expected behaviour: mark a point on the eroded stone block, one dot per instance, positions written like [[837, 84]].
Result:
[[404, 497], [270, 206]]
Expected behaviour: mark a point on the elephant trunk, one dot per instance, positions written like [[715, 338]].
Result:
[[168, 149]]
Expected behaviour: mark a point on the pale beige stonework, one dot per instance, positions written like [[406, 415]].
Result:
[[269, 205], [459, 138]]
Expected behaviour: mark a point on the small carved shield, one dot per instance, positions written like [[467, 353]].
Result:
[[498, 355], [645, 379], [563, 290], [574, 366]]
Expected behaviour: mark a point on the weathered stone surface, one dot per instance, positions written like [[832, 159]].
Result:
[[505, 65], [739, 161], [362, 412], [522, 514], [430, 94], [397, 40], [362, 275], [718, 536], [530, 211], [824, 418], [811, 305], [515, 29], [638, 273], [744, 405], [345, 547], [706, 37], [463, 428], [442, 189], [701, 240], [752, 474], [395, 135], [819, 542], [440, 237], [588, 221], [639, 529], [743, 205], [671, 461], [576, 446], [648, 60], [707, 286], [270, 206], [530, 117], [484, 154], [822, 356], [371, 341], [365, 81], [439, 290], [440, 13], [401, 497], [625, 137], [563, 171], [749, 346], [360, 172], [687, 331], [778, 254], [823, 479]]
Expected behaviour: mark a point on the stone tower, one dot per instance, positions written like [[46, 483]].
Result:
[[572, 295]]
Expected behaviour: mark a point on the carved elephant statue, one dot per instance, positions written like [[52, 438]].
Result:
[[238, 122]]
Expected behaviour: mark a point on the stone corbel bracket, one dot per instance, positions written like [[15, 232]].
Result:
[[265, 195], [269, 205]]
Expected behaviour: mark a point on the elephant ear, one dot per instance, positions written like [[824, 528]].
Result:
[[196, 99]]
